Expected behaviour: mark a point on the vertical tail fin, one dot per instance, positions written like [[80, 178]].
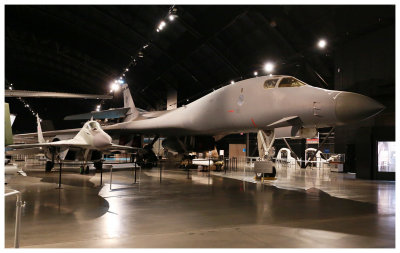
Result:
[[39, 130], [128, 103], [7, 127]]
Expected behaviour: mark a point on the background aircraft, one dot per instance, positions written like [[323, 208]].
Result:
[[91, 137]]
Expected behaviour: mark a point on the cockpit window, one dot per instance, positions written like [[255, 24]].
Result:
[[290, 82], [270, 83], [93, 125]]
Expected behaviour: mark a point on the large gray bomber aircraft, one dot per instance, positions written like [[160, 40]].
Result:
[[260, 103], [283, 105]]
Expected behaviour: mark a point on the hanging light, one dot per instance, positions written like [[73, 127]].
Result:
[[114, 87], [269, 67], [322, 43]]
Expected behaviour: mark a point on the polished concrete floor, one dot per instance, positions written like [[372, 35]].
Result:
[[302, 208]]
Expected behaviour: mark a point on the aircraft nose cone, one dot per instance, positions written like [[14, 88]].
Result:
[[354, 107], [101, 140]]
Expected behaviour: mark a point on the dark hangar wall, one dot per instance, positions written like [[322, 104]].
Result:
[[366, 65]]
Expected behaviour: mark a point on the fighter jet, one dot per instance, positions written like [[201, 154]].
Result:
[[282, 104], [90, 137]]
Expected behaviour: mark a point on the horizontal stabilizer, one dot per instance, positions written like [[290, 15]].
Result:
[[287, 121], [120, 147], [27, 151], [106, 114]]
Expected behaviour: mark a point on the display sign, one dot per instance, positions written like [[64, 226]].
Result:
[[312, 141], [386, 156]]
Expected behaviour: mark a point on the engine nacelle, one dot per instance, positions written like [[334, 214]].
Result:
[[189, 143], [295, 132]]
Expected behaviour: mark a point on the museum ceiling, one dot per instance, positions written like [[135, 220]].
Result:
[[82, 49]]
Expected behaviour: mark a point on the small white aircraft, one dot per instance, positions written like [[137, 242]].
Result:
[[90, 137]]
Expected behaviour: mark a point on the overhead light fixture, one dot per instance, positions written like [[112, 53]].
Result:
[[171, 17], [232, 82], [322, 43], [97, 109], [161, 25], [114, 87], [126, 69], [10, 88], [269, 67], [255, 73]]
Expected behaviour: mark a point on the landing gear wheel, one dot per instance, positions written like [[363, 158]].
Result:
[[49, 166], [87, 169], [81, 170]]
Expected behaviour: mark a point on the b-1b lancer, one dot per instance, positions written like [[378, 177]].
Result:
[[281, 105]]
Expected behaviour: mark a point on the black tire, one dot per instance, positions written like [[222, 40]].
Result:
[[49, 166]]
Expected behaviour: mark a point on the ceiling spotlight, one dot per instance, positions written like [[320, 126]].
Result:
[[255, 73], [321, 43], [140, 54], [98, 106], [114, 87], [269, 67], [171, 17], [121, 81], [158, 30], [232, 82], [123, 74], [97, 109], [126, 69], [10, 88], [161, 25]]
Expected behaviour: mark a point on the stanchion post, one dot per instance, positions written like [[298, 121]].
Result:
[[135, 174], [101, 175], [59, 176], [111, 169]]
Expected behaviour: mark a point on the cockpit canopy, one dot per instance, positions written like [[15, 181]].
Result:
[[283, 82], [93, 125]]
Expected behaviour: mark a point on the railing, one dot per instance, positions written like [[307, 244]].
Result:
[[17, 216], [246, 164]]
